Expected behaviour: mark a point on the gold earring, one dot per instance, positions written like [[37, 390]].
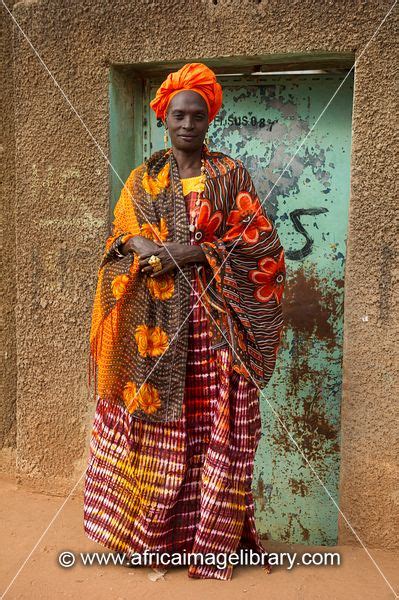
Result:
[[207, 139], [165, 138]]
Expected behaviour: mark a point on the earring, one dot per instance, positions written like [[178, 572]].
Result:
[[165, 138], [207, 139]]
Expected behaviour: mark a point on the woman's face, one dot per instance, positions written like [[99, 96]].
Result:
[[187, 120]]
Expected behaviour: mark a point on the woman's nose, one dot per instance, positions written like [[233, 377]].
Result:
[[188, 124]]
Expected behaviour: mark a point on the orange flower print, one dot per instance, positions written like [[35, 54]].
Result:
[[158, 342], [130, 396], [118, 285], [149, 398], [146, 398], [155, 185], [207, 223], [155, 233], [163, 176], [142, 339], [151, 341], [161, 288], [270, 277], [247, 220]]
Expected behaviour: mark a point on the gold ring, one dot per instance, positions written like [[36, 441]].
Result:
[[155, 262]]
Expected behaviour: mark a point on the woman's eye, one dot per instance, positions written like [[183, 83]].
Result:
[[180, 117]]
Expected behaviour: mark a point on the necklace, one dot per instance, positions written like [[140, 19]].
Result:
[[200, 192], [203, 171]]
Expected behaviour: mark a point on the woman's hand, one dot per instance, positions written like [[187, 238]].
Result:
[[139, 245], [172, 256]]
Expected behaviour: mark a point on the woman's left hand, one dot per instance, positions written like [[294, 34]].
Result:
[[176, 255]]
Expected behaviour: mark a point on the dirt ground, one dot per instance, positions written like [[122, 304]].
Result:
[[26, 515]]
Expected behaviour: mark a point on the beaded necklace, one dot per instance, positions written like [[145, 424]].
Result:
[[200, 190]]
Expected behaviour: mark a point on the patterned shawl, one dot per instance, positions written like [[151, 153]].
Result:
[[139, 329]]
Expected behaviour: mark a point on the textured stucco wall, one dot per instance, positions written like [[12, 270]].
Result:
[[8, 392], [369, 490], [61, 204]]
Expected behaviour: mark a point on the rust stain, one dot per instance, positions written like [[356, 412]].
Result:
[[312, 430], [259, 494], [288, 531], [305, 532], [298, 487], [307, 306], [312, 310]]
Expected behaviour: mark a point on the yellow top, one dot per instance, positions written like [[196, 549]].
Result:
[[192, 184]]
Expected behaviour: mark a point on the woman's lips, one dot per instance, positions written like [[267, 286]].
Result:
[[188, 137]]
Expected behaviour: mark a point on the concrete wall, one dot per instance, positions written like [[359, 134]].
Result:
[[61, 217]]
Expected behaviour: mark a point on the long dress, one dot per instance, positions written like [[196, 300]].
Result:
[[182, 486]]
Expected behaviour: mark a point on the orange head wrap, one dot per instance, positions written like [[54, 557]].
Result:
[[193, 76]]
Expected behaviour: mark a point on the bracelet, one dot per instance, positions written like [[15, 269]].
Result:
[[118, 253], [113, 250], [120, 240]]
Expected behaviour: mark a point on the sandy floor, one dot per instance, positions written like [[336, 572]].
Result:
[[25, 516]]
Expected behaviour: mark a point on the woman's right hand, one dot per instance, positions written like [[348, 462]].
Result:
[[140, 245]]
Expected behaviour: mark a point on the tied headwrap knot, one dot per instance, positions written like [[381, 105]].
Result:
[[192, 76]]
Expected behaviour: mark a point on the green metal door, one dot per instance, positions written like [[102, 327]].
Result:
[[263, 121]]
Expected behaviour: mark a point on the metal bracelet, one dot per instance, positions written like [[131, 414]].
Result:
[[115, 246]]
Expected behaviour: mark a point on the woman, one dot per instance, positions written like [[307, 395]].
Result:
[[185, 329]]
